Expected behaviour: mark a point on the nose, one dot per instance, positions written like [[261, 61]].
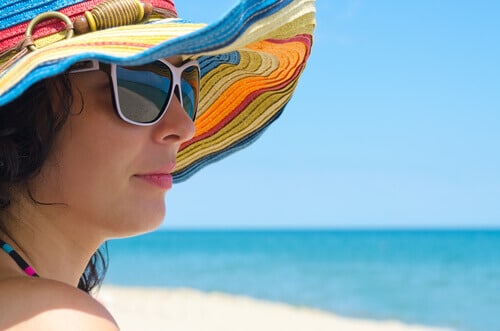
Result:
[[175, 126]]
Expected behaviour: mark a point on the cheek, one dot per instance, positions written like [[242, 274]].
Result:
[[91, 168], [91, 172], [85, 166], [92, 153], [100, 189], [95, 143]]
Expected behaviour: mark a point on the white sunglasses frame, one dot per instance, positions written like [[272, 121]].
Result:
[[94, 65]]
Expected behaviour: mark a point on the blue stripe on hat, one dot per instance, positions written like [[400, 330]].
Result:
[[190, 170], [208, 63], [16, 12], [227, 29]]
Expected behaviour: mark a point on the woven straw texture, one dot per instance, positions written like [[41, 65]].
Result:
[[251, 60]]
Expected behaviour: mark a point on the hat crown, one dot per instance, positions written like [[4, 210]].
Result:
[[16, 15]]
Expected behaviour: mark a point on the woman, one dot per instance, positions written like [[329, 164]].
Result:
[[95, 127]]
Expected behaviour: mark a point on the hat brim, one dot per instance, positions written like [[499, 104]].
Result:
[[250, 60]]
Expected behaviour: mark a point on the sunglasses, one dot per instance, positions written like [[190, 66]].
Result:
[[142, 94]]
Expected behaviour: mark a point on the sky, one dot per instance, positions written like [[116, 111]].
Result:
[[395, 124]]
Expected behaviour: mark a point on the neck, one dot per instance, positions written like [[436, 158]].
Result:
[[51, 241]]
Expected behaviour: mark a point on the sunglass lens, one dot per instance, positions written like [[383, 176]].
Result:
[[190, 81], [143, 91]]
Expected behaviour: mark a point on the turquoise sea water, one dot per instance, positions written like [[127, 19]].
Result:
[[441, 278]]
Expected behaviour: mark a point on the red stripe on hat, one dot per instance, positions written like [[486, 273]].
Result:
[[106, 43], [303, 38], [13, 35]]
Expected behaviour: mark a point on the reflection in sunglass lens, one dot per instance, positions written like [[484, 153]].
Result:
[[143, 91], [190, 89]]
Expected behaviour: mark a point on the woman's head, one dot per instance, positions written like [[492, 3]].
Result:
[[88, 161], [65, 151], [114, 172]]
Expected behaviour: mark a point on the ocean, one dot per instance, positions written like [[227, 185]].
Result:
[[437, 277]]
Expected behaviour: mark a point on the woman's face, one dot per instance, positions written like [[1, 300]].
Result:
[[109, 174]]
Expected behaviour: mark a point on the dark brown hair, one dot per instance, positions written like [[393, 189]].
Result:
[[28, 127]]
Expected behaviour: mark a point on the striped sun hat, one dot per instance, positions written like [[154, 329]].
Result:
[[250, 59]]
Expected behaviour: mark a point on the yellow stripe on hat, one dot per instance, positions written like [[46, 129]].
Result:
[[256, 114], [251, 64], [263, 77], [119, 42], [299, 14], [239, 128]]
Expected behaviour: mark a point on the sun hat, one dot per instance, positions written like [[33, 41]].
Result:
[[250, 59]]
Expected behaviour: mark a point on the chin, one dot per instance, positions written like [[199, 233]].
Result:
[[154, 223], [141, 223], [139, 230]]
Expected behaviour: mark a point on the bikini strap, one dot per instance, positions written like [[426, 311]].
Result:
[[18, 259]]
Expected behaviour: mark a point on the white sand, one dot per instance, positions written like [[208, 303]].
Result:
[[186, 309]]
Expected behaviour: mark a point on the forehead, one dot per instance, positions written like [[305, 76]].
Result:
[[175, 60]]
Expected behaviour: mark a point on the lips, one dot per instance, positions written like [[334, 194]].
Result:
[[163, 181], [160, 178]]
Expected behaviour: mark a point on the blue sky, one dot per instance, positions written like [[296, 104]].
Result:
[[395, 123]]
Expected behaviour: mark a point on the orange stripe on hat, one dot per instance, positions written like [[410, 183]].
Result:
[[223, 110]]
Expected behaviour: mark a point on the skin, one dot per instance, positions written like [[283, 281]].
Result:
[[93, 175]]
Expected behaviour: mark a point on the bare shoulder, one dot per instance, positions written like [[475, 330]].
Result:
[[38, 304]]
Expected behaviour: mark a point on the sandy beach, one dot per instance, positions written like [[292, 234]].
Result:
[[192, 310]]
